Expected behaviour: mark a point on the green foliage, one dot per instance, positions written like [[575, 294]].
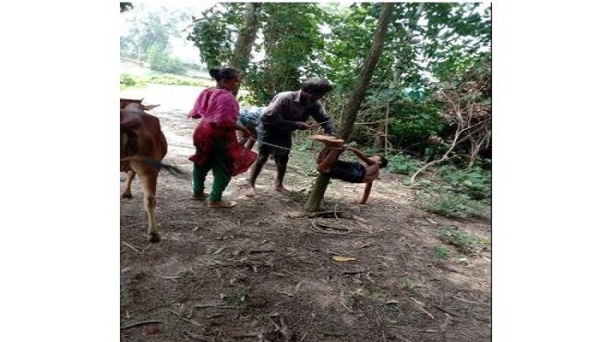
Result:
[[454, 192], [179, 80], [128, 81], [410, 127], [347, 46], [160, 60], [458, 35], [402, 164], [291, 43], [459, 239], [213, 33], [450, 204], [426, 42], [441, 252], [475, 182]]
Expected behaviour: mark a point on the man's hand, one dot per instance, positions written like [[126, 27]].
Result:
[[302, 125]]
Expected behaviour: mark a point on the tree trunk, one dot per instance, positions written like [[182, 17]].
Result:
[[357, 96], [243, 44]]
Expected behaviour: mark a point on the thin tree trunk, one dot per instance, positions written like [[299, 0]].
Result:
[[316, 196], [387, 117], [243, 44]]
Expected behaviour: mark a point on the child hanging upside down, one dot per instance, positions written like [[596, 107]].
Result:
[[353, 172], [249, 118]]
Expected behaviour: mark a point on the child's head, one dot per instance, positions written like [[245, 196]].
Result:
[[383, 162]]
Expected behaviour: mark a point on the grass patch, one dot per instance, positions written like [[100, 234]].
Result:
[[170, 79], [139, 81], [441, 252], [237, 298], [132, 81], [402, 164], [449, 204], [464, 242], [475, 182]]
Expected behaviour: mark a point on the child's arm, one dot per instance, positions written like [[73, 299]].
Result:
[[366, 193], [361, 155]]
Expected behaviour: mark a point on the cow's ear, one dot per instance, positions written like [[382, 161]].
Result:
[[148, 107]]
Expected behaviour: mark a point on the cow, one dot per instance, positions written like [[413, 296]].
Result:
[[143, 146], [125, 102]]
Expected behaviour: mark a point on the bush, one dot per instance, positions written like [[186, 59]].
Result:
[[449, 204], [178, 80], [127, 80], [160, 60], [131, 81], [475, 182], [402, 164], [464, 242]]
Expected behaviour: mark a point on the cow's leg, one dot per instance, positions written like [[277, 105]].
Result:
[[127, 192], [148, 180]]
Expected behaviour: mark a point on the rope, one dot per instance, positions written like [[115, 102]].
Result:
[[286, 148]]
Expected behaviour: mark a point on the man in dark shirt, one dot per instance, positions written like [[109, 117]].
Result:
[[287, 112]]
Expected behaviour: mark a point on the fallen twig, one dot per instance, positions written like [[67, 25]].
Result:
[[133, 248], [253, 251], [444, 310], [245, 335], [186, 320], [347, 308], [282, 328], [335, 211], [326, 214], [140, 323], [360, 219], [196, 336], [133, 225], [447, 321], [418, 305], [201, 306], [352, 272]]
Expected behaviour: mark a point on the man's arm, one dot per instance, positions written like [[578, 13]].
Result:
[[324, 120], [366, 193]]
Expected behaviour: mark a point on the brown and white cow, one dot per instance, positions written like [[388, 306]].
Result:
[[143, 146]]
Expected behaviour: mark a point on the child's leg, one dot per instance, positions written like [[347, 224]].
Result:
[[327, 158]]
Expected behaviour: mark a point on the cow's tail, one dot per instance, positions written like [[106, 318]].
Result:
[[172, 169]]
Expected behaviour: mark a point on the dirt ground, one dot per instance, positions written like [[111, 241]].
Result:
[[267, 271]]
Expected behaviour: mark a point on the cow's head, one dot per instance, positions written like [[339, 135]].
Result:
[[138, 104]]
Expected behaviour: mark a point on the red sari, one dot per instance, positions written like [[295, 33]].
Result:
[[219, 111]]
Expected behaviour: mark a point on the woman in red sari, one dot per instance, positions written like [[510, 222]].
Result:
[[217, 148]]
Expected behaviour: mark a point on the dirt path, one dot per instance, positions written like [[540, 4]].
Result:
[[265, 270]]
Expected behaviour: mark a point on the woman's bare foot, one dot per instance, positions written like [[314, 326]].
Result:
[[251, 191]]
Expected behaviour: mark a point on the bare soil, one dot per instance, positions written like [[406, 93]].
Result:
[[266, 270]]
